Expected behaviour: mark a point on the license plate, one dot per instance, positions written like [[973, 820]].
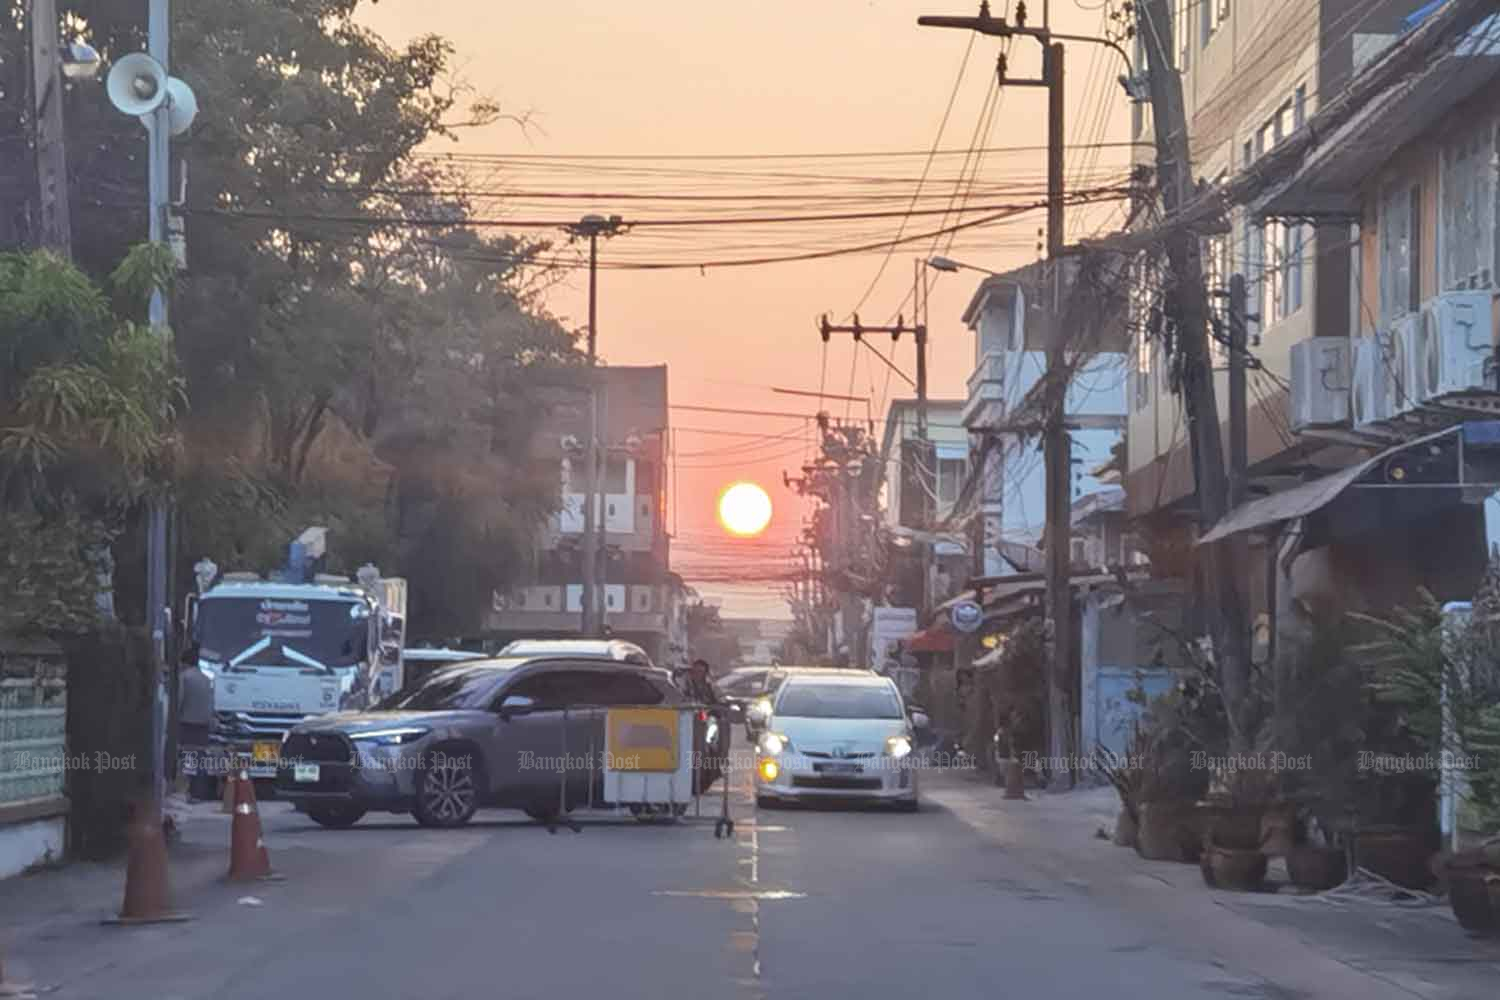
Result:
[[839, 768], [265, 753], [306, 773]]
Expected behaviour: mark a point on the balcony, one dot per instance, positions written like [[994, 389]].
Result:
[[986, 402]]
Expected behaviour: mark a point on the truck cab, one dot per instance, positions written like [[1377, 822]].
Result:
[[278, 653]]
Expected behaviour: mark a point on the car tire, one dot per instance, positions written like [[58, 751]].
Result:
[[335, 817], [542, 814], [910, 805], [448, 788], [767, 802]]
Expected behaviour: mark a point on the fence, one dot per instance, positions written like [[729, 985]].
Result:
[[33, 724]]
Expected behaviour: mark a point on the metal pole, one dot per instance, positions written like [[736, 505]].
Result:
[[1239, 418], [158, 132], [591, 453], [1057, 445], [54, 228]]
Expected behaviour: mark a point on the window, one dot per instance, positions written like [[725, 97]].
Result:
[[838, 701], [1397, 227], [1215, 12], [1299, 107], [1182, 35], [1468, 208], [615, 475], [950, 481], [1216, 270], [621, 689]]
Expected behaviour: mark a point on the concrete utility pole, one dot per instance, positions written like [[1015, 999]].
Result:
[[1239, 417], [158, 45], [1188, 309], [593, 227], [54, 225], [1057, 445]]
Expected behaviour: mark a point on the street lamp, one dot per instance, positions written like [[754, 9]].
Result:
[[950, 266]]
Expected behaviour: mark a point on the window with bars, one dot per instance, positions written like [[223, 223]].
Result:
[[1467, 187]]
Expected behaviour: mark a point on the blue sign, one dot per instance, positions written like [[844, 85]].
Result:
[[966, 616]]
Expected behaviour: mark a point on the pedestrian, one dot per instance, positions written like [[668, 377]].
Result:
[[700, 688], [195, 716]]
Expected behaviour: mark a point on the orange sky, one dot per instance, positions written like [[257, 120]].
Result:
[[772, 76]]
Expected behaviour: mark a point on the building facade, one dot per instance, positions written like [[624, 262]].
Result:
[[637, 592]]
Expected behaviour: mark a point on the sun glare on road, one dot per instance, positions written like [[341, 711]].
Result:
[[745, 509]]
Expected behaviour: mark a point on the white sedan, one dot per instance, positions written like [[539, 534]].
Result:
[[837, 737]]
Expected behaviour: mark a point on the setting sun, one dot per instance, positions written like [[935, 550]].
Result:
[[745, 509]]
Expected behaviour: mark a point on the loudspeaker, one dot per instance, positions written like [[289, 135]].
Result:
[[137, 84], [182, 106]]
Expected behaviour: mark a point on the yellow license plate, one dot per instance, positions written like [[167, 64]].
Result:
[[265, 753]]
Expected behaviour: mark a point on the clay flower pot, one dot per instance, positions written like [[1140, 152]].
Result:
[[1278, 827], [1474, 895], [1233, 867], [1316, 868], [1396, 853], [1126, 829], [1168, 831]]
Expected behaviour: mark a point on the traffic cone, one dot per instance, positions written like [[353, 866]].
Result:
[[226, 802], [1015, 780], [147, 898], [249, 860]]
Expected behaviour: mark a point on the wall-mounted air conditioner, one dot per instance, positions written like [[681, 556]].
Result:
[[1457, 341], [1372, 390], [1404, 359], [1320, 382]]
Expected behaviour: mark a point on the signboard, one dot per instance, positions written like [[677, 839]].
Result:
[[642, 739], [966, 616], [888, 627]]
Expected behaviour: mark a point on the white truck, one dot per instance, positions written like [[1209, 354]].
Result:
[[279, 651]]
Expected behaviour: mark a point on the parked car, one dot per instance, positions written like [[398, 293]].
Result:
[[471, 736], [591, 649], [837, 734]]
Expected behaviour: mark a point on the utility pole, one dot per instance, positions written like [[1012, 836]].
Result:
[[1188, 308], [1056, 443], [1239, 417], [54, 226], [593, 227], [158, 131]]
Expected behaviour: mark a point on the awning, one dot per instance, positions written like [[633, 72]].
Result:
[[1310, 497], [1331, 174]]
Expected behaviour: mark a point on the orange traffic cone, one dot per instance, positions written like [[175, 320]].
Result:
[[249, 860], [147, 898], [1015, 780]]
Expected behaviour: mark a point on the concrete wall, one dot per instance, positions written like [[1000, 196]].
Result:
[[25, 844]]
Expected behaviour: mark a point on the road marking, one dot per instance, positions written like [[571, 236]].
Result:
[[731, 894]]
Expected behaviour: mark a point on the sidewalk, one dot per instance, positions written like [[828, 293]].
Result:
[[1305, 944]]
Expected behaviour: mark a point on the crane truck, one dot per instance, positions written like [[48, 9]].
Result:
[[280, 650]]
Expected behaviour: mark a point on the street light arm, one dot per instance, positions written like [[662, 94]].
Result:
[[1129, 69]]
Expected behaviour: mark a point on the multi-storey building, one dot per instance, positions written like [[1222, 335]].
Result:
[[637, 593]]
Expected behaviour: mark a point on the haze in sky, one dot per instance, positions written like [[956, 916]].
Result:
[[673, 78]]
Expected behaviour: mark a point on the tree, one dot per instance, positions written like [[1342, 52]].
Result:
[[88, 402]]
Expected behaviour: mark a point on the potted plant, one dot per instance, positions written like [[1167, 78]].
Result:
[[1127, 774], [1171, 784]]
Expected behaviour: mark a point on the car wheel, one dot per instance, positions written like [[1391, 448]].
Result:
[[767, 802], [542, 814], [910, 805], [335, 817], [448, 790]]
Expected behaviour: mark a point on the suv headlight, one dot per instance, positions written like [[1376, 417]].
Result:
[[774, 743], [389, 737], [898, 746]]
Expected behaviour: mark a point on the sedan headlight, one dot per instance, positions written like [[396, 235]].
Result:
[[774, 743], [898, 746], [389, 737]]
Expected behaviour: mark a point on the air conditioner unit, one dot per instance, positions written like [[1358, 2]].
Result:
[[1372, 389], [1457, 341], [1320, 382], [1404, 361]]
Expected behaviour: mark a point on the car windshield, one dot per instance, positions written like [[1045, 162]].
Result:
[[459, 688], [330, 632], [838, 701]]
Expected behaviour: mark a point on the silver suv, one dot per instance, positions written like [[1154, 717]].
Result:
[[466, 738]]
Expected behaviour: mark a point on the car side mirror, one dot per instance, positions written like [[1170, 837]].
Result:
[[516, 704], [919, 719]]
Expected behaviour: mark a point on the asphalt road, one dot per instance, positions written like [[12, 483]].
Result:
[[800, 903]]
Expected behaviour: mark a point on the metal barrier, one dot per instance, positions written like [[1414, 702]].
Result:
[[651, 764]]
